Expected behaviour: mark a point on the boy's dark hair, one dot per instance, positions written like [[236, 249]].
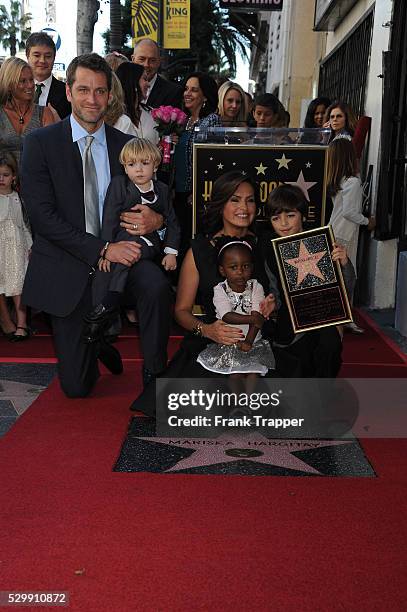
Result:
[[91, 61], [269, 100], [225, 244], [39, 39], [286, 198]]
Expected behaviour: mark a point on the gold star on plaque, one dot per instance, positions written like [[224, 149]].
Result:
[[283, 162], [261, 169]]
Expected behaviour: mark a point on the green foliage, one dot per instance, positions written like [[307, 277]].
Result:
[[14, 27]]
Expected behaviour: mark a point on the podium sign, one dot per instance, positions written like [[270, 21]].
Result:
[[312, 283], [268, 166]]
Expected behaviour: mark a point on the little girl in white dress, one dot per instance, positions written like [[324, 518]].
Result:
[[237, 302], [15, 244]]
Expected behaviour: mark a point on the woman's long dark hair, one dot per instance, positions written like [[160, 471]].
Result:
[[209, 90], [223, 189], [129, 75], [342, 163], [313, 105]]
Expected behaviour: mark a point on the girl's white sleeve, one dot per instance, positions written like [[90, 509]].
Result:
[[257, 295], [221, 301], [352, 201]]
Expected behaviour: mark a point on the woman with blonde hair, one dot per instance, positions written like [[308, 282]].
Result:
[[18, 113], [114, 59], [232, 107], [116, 110]]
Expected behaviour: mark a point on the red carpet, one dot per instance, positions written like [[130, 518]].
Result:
[[132, 542]]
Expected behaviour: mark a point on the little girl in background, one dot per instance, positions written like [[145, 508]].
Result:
[[15, 245], [237, 302], [346, 191]]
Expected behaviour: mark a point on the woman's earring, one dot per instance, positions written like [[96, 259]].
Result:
[[204, 104]]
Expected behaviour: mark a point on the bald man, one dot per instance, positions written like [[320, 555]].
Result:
[[159, 91]]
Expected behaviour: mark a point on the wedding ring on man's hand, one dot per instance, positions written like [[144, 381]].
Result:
[[135, 226]]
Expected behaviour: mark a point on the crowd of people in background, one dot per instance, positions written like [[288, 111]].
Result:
[[120, 92]]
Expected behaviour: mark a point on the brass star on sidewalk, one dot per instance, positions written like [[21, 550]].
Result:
[[306, 263], [283, 162], [261, 169]]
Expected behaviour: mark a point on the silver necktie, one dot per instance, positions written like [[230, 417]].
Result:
[[90, 190]]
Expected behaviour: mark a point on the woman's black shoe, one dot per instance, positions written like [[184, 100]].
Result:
[[97, 321]]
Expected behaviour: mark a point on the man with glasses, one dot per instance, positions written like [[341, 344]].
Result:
[[159, 91]]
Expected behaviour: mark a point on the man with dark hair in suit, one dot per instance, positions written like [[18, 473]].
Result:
[[159, 91], [65, 174], [40, 51]]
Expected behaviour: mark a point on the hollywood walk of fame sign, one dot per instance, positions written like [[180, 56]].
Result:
[[269, 166], [312, 283], [251, 455]]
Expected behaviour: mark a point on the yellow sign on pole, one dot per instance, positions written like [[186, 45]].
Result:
[[145, 20], [176, 22]]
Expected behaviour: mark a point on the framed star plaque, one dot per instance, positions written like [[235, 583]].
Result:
[[313, 284], [269, 166]]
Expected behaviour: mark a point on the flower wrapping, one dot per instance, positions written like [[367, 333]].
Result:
[[170, 120]]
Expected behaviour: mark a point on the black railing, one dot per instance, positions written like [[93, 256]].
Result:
[[343, 73]]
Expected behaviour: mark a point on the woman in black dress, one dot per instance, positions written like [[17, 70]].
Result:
[[231, 212]]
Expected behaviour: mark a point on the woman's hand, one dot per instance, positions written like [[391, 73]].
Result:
[[268, 306], [221, 333], [339, 254]]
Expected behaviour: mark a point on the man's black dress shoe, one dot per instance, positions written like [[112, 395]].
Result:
[[110, 357], [149, 384], [97, 321]]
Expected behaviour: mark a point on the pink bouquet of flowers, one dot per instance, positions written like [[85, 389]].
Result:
[[169, 120]]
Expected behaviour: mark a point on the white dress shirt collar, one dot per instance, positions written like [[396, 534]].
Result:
[[42, 101]]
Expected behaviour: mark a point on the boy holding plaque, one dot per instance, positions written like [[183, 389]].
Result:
[[319, 350]]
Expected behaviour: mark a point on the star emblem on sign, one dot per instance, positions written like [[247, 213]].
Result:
[[302, 184], [283, 162], [306, 263], [220, 166], [253, 447], [261, 169]]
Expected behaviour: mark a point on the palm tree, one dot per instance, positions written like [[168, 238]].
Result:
[[116, 28], [215, 42], [14, 27], [86, 17]]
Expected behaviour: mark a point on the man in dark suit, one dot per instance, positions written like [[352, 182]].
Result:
[[159, 91], [66, 170], [40, 51]]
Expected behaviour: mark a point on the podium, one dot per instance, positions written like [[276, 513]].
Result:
[[270, 157]]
